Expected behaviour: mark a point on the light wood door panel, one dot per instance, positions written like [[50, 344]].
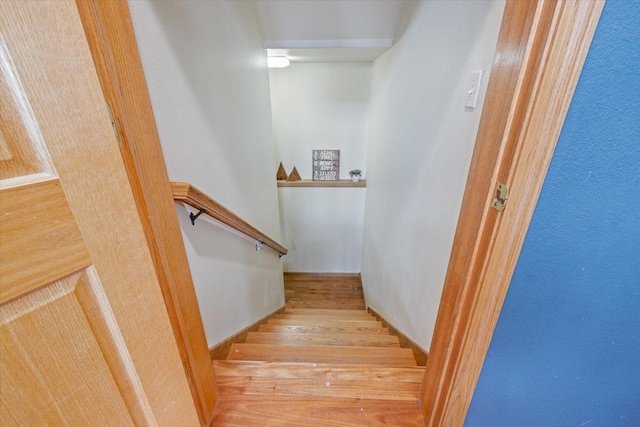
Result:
[[66, 358], [39, 239], [22, 149], [53, 369], [63, 362]]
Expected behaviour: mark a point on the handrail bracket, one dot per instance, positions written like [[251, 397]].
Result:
[[194, 217]]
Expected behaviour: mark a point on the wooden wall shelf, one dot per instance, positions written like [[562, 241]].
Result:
[[344, 183]]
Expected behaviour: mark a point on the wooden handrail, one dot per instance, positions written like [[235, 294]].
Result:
[[187, 193]]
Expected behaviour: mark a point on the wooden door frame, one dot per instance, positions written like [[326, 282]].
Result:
[[114, 48], [541, 49]]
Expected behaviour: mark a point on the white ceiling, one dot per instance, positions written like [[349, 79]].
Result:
[[329, 30]]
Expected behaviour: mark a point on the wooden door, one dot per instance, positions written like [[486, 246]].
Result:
[[541, 48], [84, 337]]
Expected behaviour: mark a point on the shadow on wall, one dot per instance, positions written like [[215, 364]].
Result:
[[230, 247], [420, 147], [211, 97], [234, 282]]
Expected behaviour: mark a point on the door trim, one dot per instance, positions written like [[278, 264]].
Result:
[[541, 49], [110, 34]]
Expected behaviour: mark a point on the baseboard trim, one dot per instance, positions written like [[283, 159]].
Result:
[[220, 351], [418, 352]]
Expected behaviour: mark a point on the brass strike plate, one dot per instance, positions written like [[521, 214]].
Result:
[[113, 123], [501, 199]]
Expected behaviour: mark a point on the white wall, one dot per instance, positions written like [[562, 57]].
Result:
[[420, 147], [322, 228], [321, 106], [209, 84]]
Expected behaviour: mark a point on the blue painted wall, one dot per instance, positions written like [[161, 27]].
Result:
[[566, 350]]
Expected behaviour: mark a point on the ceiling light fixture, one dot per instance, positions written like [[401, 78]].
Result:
[[277, 62]]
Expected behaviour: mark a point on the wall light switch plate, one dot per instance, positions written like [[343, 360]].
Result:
[[474, 89]]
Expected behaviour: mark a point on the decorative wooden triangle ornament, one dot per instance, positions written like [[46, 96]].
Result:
[[294, 175], [282, 174]]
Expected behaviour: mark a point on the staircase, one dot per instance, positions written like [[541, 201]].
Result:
[[323, 361]]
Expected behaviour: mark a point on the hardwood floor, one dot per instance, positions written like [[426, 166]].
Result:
[[323, 361], [322, 291]]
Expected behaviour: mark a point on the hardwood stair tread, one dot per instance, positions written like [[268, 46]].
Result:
[[328, 371], [277, 411], [323, 291], [315, 287], [293, 276], [308, 329], [292, 280], [323, 354], [311, 296], [322, 380], [321, 296], [323, 361], [325, 317], [358, 340], [326, 312], [340, 323], [352, 304]]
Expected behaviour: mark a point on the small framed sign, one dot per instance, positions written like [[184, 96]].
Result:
[[326, 165]]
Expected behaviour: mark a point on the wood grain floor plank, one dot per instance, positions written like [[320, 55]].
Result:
[[306, 329], [301, 277], [318, 295], [323, 361], [323, 354], [326, 371], [339, 323], [323, 317], [323, 291], [357, 340], [322, 282], [314, 288], [319, 387], [333, 303], [278, 411], [319, 298], [326, 312], [321, 294]]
